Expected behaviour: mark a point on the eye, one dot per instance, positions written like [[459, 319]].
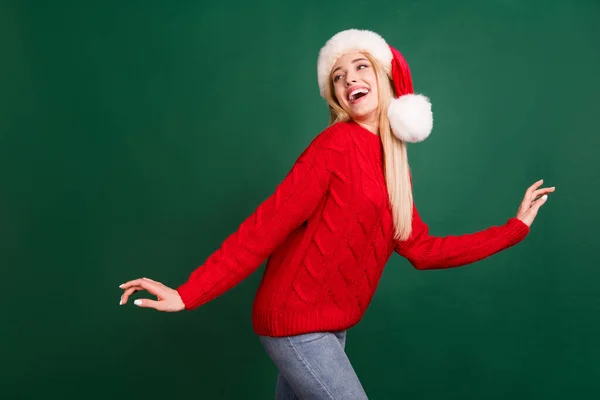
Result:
[[336, 78], [361, 66]]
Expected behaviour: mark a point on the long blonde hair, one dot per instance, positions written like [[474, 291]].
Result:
[[396, 167]]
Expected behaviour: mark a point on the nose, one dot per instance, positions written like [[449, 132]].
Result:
[[350, 78]]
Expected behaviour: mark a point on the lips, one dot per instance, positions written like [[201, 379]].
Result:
[[356, 93]]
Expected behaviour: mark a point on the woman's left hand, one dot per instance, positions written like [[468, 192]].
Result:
[[533, 200], [167, 299]]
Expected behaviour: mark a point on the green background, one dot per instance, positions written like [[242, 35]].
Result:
[[136, 135]]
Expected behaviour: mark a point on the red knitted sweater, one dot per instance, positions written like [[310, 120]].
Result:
[[327, 232]]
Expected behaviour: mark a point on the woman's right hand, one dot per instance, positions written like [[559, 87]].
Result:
[[167, 299], [533, 200]]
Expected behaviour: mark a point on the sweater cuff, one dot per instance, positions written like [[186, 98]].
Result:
[[190, 295], [517, 230]]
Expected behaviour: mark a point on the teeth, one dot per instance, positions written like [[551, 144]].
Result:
[[356, 91]]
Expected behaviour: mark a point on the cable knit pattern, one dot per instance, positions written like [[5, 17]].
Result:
[[327, 231]]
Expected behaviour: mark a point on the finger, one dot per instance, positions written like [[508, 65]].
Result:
[[543, 191], [532, 212], [129, 292], [534, 186], [158, 284], [528, 197], [147, 303], [537, 184], [531, 190], [539, 202], [145, 283], [529, 215], [151, 287], [134, 282], [538, 198]]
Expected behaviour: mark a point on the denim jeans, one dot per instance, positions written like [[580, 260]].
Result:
[[313, 366]]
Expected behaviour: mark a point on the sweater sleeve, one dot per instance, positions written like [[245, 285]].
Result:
[[243, 251], [424, 251]]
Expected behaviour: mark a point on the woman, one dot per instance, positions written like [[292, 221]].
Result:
[[334, 221]]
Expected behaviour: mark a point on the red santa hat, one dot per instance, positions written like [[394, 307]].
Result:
[[409, 114]]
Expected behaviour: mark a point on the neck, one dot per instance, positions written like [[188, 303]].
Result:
[[370, 126]]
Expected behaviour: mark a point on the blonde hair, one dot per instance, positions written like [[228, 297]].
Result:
[[396, 167]]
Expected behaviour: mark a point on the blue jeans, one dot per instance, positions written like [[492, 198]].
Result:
[[313, 366]]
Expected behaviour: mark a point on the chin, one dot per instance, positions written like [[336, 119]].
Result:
[[362, 114]]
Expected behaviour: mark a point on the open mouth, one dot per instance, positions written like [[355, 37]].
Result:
[[357, 94]]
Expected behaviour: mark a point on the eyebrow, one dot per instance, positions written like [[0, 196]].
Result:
[[353, 61]]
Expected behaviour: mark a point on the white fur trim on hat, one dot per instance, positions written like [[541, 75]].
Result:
[[411, 118], [348, 41]]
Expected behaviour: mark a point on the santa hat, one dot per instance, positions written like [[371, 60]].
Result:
[[410, 114]]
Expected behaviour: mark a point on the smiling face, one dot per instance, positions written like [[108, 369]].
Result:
[[354, 83]]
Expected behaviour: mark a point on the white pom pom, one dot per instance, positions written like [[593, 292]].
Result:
[[411, 118]]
